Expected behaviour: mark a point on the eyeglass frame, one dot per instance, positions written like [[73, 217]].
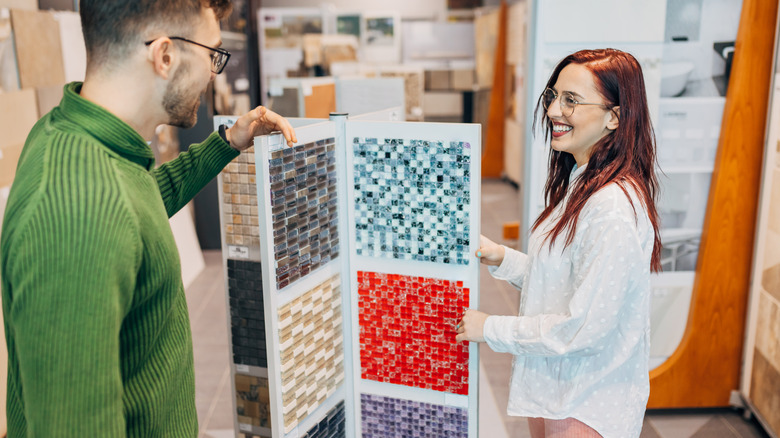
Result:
[[576, 102], [221, 52]]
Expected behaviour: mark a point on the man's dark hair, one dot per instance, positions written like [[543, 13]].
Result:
[[112, 28]]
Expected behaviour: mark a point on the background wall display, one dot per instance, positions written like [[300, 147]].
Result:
[[761, 379], [685, 76], [341, 333]]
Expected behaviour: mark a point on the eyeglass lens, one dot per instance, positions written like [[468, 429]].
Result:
[[566, 104], [217, 62]]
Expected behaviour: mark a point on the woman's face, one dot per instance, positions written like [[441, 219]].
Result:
[[578, 132]]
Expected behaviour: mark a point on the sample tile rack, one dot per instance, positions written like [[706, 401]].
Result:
[[348, 261]]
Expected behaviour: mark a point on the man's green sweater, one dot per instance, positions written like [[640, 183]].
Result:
[[99, 341]]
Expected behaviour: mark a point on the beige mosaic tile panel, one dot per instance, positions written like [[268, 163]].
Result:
[[311, 350], [239, 201], [253, 402]]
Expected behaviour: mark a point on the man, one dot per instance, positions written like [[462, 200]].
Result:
[[96, 321]]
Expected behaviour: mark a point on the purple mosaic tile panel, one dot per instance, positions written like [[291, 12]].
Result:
[[387, 417]]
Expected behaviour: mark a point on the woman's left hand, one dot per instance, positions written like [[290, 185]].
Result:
[[471, 327]]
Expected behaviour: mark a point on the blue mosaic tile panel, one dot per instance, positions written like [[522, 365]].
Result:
[[412, 199], [332, 426], [304, 209], [247, 320], [386, 417]]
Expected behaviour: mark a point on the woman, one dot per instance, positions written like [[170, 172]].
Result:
[[581, 340]]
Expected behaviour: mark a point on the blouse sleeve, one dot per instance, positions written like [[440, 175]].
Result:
[[607, 259], [512, 268]]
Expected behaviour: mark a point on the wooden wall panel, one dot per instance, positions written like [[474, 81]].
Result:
[[705, 368]]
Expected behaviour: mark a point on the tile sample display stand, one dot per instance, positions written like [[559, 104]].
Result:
[[349, 260]]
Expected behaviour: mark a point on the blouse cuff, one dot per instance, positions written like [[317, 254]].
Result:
[[512, 267], [494, 332]]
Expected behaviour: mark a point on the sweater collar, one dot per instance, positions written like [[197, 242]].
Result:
[[105, 127]]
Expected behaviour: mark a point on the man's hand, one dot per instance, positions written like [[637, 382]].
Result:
[[259, 121], [471, 327]]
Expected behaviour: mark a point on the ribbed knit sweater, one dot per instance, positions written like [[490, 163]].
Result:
[[99, 340]]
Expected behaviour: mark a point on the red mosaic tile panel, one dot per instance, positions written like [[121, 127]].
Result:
[[407, 331]]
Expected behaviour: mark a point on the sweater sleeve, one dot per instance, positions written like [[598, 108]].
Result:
[[607, 256], [183, 177], [73, 271]]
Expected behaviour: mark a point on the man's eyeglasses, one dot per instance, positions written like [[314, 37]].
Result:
[[568, 102], [219, 57]]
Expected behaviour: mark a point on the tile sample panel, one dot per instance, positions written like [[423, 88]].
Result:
[[239, 201], [332, 426], [253, 401], [247, 321], [304, 209], [311, 350], [386, 417], [412, 199], [407, 334]]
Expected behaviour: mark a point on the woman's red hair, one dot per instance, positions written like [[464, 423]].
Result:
[[625, 156]]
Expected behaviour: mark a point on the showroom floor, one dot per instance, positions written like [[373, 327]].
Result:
[[206, 300]]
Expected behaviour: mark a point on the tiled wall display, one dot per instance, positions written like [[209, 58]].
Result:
[[407, 334], [366, 242], [253, 401], [332, 426], [247, 320], [412, 199], [311, 350], [239, 201], [387, 417], [304, 209]]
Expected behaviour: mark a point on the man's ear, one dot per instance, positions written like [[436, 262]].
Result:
[[614, 118], [161, 55]]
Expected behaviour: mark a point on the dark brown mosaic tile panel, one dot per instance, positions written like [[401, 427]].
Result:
[[247, 320], [304, 209]]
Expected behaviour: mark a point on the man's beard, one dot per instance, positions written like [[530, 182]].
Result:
[[180, 101]]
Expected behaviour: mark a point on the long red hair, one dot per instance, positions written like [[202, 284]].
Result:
[[625, 156]]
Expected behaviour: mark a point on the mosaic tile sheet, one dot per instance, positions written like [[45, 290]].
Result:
[[304, 209], [247, 321], [386, 417], [311, 350], [253, 403], [239, 201], [412, 199], [414, 82], [332, 426], [407, 334]]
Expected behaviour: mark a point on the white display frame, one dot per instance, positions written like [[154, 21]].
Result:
[[444, 133], [347, 264]]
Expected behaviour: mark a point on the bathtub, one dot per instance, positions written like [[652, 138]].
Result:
[[674, 76], [670, 303]]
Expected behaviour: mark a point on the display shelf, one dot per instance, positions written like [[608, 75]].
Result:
[[350, 201]]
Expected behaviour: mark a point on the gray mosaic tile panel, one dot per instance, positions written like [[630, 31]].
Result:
[[304, 209], [412, 199], [387, 417]]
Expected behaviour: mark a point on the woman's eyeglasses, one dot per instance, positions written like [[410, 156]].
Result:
[[219, 57], [568, 102]]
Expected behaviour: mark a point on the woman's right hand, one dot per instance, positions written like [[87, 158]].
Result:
[[489, 252]]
